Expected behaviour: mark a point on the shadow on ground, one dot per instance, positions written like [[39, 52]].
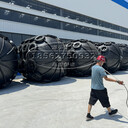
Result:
[[84, 77], [63, 81], [14, 87], [116, 117]]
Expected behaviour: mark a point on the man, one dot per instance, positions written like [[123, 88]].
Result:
[[98, 91]]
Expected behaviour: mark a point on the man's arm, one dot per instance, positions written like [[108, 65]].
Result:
[[112, 80]]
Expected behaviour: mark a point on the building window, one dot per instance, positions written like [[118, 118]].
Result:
[[46, 8], [27, 18], [16, 16]]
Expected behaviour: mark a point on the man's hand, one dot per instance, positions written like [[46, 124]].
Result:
[[120, 82]]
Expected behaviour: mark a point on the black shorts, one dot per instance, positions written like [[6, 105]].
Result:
[[100, 95]]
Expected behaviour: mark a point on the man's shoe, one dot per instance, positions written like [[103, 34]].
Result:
[[89, 117], [113, 112]]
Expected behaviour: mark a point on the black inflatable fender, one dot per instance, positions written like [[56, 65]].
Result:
[[8, 60], [39, 38], [31, 65], [103, 48], [77, 45]]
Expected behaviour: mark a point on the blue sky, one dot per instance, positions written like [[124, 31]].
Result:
[[123, 3]]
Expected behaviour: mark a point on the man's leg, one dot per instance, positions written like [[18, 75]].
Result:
[[112, 112], [109, 109], [89, 117], [105, 102], [89, 108]]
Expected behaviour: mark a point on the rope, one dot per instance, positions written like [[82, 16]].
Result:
[[123, 85]]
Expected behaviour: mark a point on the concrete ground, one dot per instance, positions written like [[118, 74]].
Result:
[[61, 104]]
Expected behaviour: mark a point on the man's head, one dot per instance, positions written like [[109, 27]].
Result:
[[100, 60]]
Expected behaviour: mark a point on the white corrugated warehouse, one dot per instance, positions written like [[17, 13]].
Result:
[[100, 20]]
